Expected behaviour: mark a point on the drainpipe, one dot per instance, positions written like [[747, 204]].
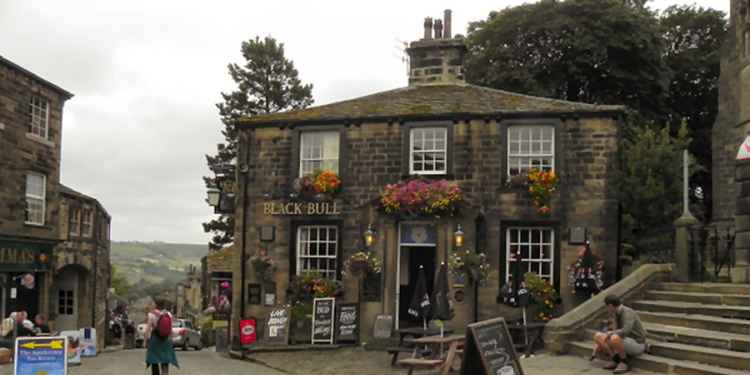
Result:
[[243, 170], [94, 234]]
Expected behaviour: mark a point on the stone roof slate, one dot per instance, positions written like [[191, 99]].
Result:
[[438, 100]]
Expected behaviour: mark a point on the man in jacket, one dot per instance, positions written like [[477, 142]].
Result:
[[628, 339]]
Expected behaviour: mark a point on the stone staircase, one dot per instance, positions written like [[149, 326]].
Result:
[[692, 328]]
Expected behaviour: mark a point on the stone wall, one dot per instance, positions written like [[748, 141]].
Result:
[[23, 152], [373, 155]]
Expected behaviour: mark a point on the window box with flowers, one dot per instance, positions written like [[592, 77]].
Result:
[[419, 198], [320, 185], [302, 291], [470, 266], [367, 267]]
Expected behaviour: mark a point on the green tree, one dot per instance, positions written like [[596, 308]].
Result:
[[595, 51], [267, 82], [651, 185], [693, 37], [120, 283]]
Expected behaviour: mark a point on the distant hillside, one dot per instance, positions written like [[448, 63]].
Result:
[[154, 262]]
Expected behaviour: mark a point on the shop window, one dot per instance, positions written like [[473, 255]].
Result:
[[35, 198], [530, 146], [75, 222], [428, 151], [319, 151], [535, 246], [88, 222], [39, 111], [317, 249], [65, 302]]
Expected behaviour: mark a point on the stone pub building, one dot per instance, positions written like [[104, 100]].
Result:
[[54, 241], [438, 127]]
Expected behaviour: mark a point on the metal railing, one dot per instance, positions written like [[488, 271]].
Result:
[[711, 251]]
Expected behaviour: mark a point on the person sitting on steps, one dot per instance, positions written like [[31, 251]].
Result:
[[628, 339]]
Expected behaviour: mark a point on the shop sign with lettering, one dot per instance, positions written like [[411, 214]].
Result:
[[17, 256], [301, 208]]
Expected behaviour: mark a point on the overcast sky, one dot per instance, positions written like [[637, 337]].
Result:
[[146, 76]]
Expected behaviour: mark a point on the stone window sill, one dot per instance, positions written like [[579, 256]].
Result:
[[36, 225], [39, 139]]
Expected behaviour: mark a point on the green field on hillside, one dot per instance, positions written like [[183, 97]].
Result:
[[154, 262]]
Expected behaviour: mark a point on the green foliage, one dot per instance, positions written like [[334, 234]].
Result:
[[543, 294], [651, 185], [595, 51], [266, 83]]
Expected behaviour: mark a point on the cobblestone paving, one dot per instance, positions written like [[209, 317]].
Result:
[[131, 362]]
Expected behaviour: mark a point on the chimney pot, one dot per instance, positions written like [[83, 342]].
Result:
[[447, 24], [438, 29], [427, 28]]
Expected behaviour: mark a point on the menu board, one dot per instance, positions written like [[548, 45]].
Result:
[[277, 327], [347, 323], [322, 324], [489, 350]]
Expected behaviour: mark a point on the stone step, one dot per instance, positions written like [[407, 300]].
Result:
[[650, 362], [726, 311], [700, 337], [707, 322], [715, 288], [710, 356], [707, 298]]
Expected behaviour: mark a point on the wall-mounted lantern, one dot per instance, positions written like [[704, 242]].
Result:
[[458, 236], [369, 236]]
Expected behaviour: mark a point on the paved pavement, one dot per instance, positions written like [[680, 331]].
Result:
[[349, 361], [129, 362]]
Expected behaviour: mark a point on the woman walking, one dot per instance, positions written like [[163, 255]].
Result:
[[160, 353]]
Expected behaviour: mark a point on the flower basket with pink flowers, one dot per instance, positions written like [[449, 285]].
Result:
[[419, 197]]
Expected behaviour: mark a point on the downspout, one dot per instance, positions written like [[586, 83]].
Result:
[[243, 170], [95, 235]]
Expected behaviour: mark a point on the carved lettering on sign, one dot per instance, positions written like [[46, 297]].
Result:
[[301, 208], [16, 256]]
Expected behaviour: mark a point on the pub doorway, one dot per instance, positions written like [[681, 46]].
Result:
[[417, 247]]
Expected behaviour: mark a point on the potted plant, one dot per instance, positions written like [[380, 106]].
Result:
[[419, 197], [543, 295], [363, 263]]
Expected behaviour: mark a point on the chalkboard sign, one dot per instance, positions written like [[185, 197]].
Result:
[[277, 327], [347, 323], [322, 324], [489, 350]]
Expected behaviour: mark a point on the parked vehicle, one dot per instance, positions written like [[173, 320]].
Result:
[[185, 336]]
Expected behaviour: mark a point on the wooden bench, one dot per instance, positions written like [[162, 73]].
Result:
[[413, 363], [396, 350]]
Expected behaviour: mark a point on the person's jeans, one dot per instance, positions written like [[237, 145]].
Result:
[[164, 369]]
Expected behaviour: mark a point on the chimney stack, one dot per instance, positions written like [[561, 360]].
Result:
[[427, 28], [447, 24], [438, 29]]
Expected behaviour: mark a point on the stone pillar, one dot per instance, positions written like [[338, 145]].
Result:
[[682, 227], [741, 270]]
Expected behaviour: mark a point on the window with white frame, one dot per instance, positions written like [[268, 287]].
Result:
[[535, 248], [35, 198], [39, 109], [530, 146], [75, 221], [88, 222], [318, 151], [428, 151], [317, 249]]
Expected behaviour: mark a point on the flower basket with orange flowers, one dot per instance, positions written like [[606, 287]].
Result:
[[322, 183], [543, 294], [542, 184]]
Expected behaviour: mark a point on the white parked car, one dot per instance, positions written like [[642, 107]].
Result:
[[185, 336]]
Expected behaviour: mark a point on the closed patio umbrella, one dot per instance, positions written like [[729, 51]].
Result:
[[420, 305], [441, 307]]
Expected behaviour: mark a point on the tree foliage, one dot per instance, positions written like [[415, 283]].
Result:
[[267, 82]]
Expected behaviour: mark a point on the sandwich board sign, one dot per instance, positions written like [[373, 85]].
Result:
[[41, 355], [744, 151], [323, 320]]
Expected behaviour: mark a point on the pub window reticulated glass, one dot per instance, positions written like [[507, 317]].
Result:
[[317, 249], [530, 146], [318, 151], [35, 198], [428, 151], [536, 249], [39, 111]]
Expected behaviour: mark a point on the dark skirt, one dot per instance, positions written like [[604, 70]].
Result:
[[160, 351]]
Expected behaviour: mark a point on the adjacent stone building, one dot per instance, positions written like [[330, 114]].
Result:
[[40, 257], [438, 127]]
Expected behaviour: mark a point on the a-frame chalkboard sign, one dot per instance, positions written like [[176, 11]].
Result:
[[489, 350]]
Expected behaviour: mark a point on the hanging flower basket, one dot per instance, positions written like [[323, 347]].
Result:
[[542, 184], [421, 198], [586, 274], [323, 184], [363, 263], [469, 265], [264, 266]]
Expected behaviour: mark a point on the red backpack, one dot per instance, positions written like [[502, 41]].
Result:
[[163, 325]]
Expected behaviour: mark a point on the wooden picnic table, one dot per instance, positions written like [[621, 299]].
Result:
[[437, 343], [415, 333]]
